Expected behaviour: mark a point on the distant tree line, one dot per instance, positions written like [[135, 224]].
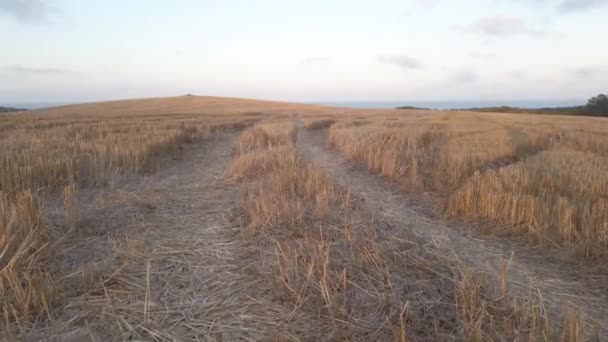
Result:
[[10, 109], [596, 106]]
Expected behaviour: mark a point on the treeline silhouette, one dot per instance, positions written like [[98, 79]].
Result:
[[596, 106]]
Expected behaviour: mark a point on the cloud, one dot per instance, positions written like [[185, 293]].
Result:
[[43, 70], [427, 3], [533, 2], [26, 10], [419, 4], [580, 5], [489, 56], [518, 74], [501, 26], [466, 75], [586, 73], [405, 62], [314, 60]]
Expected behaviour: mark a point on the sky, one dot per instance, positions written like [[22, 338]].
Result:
[[314, 50]]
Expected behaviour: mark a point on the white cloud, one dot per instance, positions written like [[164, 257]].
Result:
[[580, 5], [501, 25], [588, 72], [405, 62], [315, 60], [427, 3], [518, 74], [489, 56], [38, 70], [26, 10], [466, 75]]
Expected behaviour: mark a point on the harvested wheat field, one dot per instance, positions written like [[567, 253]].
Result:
[[220, 219]]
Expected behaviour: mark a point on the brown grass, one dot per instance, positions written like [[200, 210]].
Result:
[[46, 157], [333, 270], [543, 176], [265, 136], [348, 279], [557, 195], [268, 150], [26, 259], [50, 155], [70, 207], [318, 123]]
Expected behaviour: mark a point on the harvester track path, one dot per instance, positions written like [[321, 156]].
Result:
[[560, 279]]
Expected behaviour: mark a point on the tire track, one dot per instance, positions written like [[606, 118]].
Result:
[[560, 279], [172, 263]]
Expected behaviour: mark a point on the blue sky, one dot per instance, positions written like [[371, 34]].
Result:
[[73, 50]]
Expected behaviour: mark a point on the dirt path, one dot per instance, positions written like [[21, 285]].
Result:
[[161, 260], [561, 280]]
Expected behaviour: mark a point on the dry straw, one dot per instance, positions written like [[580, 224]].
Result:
[[543, 178]]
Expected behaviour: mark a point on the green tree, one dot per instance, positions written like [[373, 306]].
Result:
[[597, 105]]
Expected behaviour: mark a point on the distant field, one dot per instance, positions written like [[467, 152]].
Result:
[[204, 218]]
